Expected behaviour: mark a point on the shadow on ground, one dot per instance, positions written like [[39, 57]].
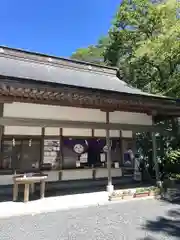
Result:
[[169, 224]]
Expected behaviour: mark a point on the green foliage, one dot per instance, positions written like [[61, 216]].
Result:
[[144, 44], [172, 163], [93, 53], [142, 190]]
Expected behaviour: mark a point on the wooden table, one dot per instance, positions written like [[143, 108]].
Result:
[[28, 180]]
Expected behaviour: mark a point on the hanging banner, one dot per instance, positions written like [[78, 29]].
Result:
[[74, 152]]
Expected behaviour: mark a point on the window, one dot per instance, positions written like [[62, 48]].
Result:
[[29, 155], [22, 155], [128, 152]]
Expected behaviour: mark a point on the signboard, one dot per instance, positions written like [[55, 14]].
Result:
[[51, 151]]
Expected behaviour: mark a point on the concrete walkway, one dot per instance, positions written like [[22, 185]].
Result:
[[142, 220], [51, 204]]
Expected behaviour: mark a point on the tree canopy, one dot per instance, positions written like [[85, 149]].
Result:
[[143, 42], [93, 53]]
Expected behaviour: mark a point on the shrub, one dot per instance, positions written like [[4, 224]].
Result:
[[172, 162]]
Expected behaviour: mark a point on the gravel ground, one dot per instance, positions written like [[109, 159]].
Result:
[[135, 220]]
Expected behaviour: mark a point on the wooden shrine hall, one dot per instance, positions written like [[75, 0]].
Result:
[[70, 119]]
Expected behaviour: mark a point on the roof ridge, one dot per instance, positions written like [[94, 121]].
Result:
[[40, 57], [53, 64]]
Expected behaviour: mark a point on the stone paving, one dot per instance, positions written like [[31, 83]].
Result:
[[133, 220]]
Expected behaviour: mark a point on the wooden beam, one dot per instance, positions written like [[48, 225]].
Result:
[[60, 100], [72, 96], [106, 98], [15, 121]]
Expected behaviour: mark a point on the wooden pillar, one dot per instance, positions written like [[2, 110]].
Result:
[[1, 134], [110, 187], [61, 148], [134, 146], [121, 147], [1, 144], [94, 168], [42, 147], [154, 156]]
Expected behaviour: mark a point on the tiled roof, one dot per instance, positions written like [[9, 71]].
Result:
[[39, 67]]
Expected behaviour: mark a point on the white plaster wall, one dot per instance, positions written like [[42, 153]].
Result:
[[52, 131], [116, 172], [127, 134], [99, 133], [68, 175], [16, 130], [30, 110], [114, 133], [101, 173], [102, 133], [130, 118], [77, 174], [77, 132]]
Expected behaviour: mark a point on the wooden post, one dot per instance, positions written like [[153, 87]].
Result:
[[15, 191], [154, 156], [61, 163], [154, 149], [121, 147], [134, 147], [92, 133], [42, 189], [110, 187], [42, 147], [1, 134], [26, 192]]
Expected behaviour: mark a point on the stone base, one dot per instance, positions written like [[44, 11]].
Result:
[[110, 188]]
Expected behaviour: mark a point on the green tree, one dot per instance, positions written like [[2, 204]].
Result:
[[93, 53], [144, 44]]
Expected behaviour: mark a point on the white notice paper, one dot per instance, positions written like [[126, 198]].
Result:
[[103, 157], [78, 164], [116, 165], [83, 158]]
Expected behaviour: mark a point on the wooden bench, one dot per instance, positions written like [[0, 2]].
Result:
[[27, 180]]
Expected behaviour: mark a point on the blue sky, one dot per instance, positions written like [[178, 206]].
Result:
[[55, 27]]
